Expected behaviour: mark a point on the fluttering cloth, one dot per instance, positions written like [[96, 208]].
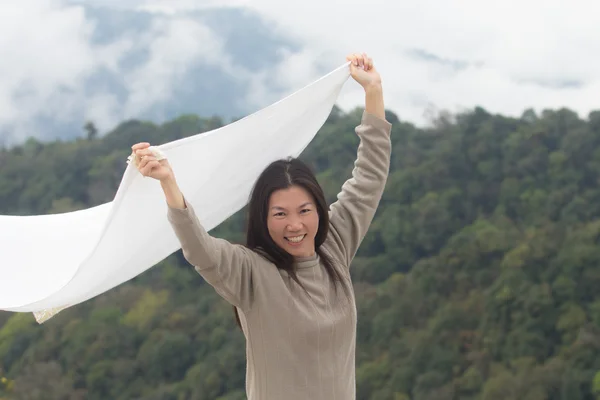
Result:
[[51, 262]]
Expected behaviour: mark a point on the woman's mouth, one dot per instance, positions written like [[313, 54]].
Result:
[[295, 240]]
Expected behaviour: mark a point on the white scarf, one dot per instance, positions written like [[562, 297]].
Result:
[[51, 262]]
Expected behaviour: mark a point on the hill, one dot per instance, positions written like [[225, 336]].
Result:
[[477, 281]]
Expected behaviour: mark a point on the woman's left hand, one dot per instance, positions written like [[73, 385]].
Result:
[[363, 71]]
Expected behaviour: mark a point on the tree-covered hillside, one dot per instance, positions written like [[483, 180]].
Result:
[[479, 279]]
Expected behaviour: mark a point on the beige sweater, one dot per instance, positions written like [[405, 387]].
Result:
[[298, 345]]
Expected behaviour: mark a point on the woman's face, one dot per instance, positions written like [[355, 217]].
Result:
[[293, 221]]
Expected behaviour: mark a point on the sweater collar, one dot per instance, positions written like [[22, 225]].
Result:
[[306, 262]]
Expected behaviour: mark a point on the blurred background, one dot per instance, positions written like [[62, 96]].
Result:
[[479, 277]]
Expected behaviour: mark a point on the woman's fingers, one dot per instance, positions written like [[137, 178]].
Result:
[[360, 60], [367, 61], [144, 160], [148, 166], [144, 152], [139, 146], [147, 161]]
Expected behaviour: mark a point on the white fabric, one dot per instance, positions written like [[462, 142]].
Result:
[[50, 262]]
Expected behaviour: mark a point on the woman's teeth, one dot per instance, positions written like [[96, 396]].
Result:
[[295, 239]]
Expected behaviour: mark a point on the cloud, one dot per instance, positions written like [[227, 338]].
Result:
[[47, 60], [175, 45], [44, 51], [54, 74], [296, 69], [178, 6], [166, 7], [505, 56], [424, 55]]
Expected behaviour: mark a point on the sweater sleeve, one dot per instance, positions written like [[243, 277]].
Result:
[[351, 215], [225, 266]]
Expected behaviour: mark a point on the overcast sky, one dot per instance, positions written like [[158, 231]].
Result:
[[504, 56]]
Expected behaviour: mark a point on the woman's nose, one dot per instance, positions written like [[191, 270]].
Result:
[[294, 224]]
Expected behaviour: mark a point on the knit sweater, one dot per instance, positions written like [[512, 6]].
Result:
[[300, 344]]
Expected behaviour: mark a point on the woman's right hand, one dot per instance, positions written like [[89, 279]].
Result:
[[148, 165]]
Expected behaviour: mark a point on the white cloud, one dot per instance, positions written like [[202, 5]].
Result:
[[175, 45], [505, 56], [43, 48], [172, 7], [167, 7], [295, 71], [103, 109], [510, 44], [48, 56]]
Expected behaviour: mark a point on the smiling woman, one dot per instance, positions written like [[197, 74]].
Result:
[[293, 227], [288, 197], [300, 343], [288, 194]]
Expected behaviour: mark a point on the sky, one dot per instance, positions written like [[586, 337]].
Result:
[[433, 55]]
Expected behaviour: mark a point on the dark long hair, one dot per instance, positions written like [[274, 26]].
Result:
[[282, 174]]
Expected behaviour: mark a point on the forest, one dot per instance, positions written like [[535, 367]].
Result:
[[478, 280]]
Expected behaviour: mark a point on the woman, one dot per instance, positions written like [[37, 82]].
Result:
[[300, 328]]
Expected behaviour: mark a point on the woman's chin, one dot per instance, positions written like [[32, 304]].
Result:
[[302, 250]]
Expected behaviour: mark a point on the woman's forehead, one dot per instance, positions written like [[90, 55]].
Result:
[[294, 196]]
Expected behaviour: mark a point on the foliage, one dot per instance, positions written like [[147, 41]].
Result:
[[478, 279]]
